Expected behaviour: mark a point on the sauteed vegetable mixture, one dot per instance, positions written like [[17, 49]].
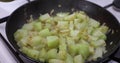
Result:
[[62, 38]]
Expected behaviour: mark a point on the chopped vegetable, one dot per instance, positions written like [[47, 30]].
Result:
[[62, 38], [69, 59], [52, 41], [51, 54], [44, 17], [83, 49], [45, 32], [78, 59], [56, 61], [37, 26]]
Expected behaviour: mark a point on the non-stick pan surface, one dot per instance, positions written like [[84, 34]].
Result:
[[22, 14]]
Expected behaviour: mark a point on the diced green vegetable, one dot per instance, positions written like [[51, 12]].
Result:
[[70, 41], [36, 40], [45, 32], [37, 26], [82, 16], [71, 25], [19, 34], [51, 54], [62, 55], [63, 47], [28, 26], [83, 49], [42, 55], [103, 29], [52, 41], [94, 23], [74, 33], [24, 50], [72, 49], [69, 59], [33, 53], [23, 42], [62, 14], [98, 53], [98, 43], [70, 17], [62, 38], [78, 59], [99, 34], [63, 24], [44, 17], [56, 61]]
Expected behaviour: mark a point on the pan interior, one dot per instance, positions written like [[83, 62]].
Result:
[[22, 14]]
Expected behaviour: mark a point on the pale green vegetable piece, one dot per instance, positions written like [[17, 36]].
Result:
[[19, 34], [63, 47], [24, 50], [23, 42], [42, 55], [103, 36], [42, 59], [71, 25], [56, 61], [49, 20], [99, 34], [74, 33], [28, 26], [70, 41], [56, 18], [44, 17], [37, 26], [39, 46], [82, 16], [52, 41], [94, 23], [45, 32], [79, 26], [84, 42], [92, 38], [72, 49], [51, 54], [76, 21], [103, 29], [63, 24], [62, 40], [62, 14], [92, 50], [31, 53], [48, 25], [69, 59], [83, 49], [78, 59], [36, 40], [62, 44], [62, 54], [70, 17], [98, 53], [98, 43]]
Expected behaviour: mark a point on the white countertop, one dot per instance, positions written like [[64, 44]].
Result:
[[7, 8]]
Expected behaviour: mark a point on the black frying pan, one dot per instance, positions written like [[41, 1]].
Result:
[[22, 14]]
